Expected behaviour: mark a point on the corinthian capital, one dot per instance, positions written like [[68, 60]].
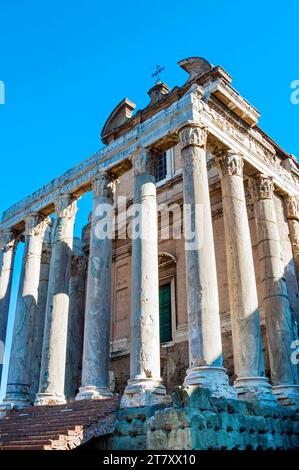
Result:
[[229, 163], [261, 187], [36, 225], [292, 207], [7, 239], [143, 161], [193, 135], [66, 206], [104, 185]]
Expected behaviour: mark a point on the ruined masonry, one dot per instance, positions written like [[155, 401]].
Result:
[[159, 342]]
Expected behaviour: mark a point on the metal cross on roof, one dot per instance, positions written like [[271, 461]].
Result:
[[159, 69]]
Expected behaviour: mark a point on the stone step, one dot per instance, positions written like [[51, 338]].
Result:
[[81, 413], [49, 435], [36, 431], [27, 440], [24, 447], [84, 417], [57, 428], [84, 412], [49, 426], [75, 406]]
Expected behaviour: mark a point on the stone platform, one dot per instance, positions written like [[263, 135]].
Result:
[[196, 421], [62, 427]]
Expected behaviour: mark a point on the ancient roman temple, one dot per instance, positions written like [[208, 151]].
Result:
[[172, 323]]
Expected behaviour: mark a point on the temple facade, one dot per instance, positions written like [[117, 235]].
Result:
[[186, 274]]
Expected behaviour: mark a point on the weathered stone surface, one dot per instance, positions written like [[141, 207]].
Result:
[[52, 377], [205, 347], [8, 245], [180, 126], [39, 320], [279, 321], [251, 382], [95, 372], [145, 384], [19, 375], [73, 373], [130, 430], [242, 426]]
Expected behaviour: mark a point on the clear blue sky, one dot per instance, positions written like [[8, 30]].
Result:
[[66, 64]]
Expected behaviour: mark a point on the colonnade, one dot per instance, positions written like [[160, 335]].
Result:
[[205, 349]]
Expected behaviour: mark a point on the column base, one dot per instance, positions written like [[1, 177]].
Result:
[[16, 397], [91, 392], [255, 389], [144, 392], [51, 399], [286, 395], [12, 404], [213, 378], [15, 400]]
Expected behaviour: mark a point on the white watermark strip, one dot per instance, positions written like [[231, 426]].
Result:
[[176, 221], [2, 92], [295, 93]]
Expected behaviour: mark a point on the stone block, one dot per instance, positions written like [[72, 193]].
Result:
[[179, 439], [294, 442], [137, 428], [129, 443], [236, 406], [157, 440], [198, 421], [204, 440], [218, 405], [192, 396]]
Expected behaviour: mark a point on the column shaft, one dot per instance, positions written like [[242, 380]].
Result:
[[205, 346], [279, 324], [52, 376], [8, 246], [251, 382], [39, 321], [75, 337], [96, 354], [19, 375], [145, 384], [292, 213]]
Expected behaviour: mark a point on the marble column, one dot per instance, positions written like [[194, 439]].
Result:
[[251, 383], [8, 245], [19, 374], [96, 352], [145, 384], [39, 321], [279, 322], [52, 376], [292, 213], [75, 337], [205, 346]]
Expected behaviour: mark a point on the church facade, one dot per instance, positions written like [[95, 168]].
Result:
[[179, 304]]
